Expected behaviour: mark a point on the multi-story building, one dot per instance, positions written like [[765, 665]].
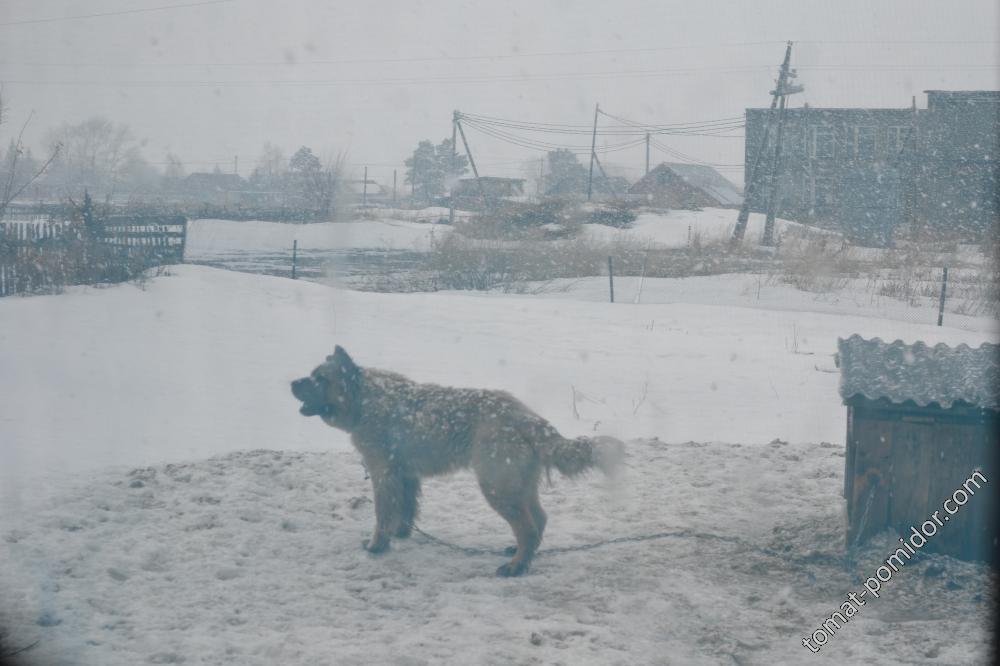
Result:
[[869, 171]]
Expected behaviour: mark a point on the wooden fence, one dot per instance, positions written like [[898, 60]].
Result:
[[46, 255], [160, 237]]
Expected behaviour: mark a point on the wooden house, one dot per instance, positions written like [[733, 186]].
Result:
[[216, 188], [677, 185], [366, 192], [494, 187], [922, 442]]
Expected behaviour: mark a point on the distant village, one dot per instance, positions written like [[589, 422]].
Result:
[[863, 171]]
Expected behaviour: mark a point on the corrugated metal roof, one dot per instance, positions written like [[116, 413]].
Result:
[[926, 375], [709, 180]]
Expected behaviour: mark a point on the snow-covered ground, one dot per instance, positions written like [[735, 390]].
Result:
[[413, 229], [164, 502], [678, 228], [765, 292], [210, 238], [254, 558]]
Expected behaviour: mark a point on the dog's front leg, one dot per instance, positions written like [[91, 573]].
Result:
[[389, 496]]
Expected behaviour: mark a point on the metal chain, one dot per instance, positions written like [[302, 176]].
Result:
[[460, 549], [683, 534]]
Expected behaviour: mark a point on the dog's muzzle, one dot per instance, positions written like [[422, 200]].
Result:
[[312, 396]]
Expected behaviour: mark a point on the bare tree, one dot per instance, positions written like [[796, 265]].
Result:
[[93, 154], [269, 174], [173, 172], [19, 170]]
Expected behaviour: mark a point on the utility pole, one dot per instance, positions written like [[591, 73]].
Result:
[[780, 90], [472, 161], [607, 181], [647, 153], [236, 164], [593, 148], [786, 88], [393, 188], [454, 157], [364, 190], [611, 280], [768, 237], [944, 288]]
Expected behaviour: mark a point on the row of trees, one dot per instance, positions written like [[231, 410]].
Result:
[[96, 155], [431, 170], [104, 158], [317, 183]]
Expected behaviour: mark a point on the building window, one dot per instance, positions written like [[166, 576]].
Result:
[[822, 143], [864, 143], [896, 137], [823, 193]]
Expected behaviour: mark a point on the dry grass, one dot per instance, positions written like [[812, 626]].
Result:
[[911, 272], [491, 253]]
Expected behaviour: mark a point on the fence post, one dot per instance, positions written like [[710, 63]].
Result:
[[611, 280], [944, 287], [184, 230], [295, 252]]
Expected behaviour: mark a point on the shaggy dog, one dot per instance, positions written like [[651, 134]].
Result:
[[406, 431]]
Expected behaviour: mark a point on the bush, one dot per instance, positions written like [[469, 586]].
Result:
[[549, 219], [619, 215], [459, 262]]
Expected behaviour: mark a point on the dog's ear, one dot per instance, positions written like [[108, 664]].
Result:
[[339, 353], [343, 362]]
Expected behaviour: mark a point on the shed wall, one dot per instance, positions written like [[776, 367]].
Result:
[[902, 462]]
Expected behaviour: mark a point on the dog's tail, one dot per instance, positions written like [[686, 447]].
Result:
[[573, 457]]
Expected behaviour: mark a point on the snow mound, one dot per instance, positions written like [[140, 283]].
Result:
[[255, 558]]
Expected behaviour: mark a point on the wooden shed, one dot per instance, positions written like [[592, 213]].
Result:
[[921, 422]]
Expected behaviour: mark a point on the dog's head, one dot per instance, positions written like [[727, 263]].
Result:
[[331, 391]]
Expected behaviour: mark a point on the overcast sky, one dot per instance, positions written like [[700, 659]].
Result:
[[211, 80]]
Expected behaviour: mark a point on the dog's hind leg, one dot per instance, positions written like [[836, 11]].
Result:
[[389, 493], [538, 515], [411, 499], [516, 511]]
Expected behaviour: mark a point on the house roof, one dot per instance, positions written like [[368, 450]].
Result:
[[706, 179], [361, 186], [493, 179], [216, 181], [926, 375]]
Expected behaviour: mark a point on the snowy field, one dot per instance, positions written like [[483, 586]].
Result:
[[413, 230], [165, 503], [209, 238], [677, 228]]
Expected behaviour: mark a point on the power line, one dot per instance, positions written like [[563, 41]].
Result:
[[455, 58], [461, 79], [691, 159], [507, 130], [536, 144], [716, 128], [626, 128], [407, 59], [117, 13], [471, 79], [917, 42]]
